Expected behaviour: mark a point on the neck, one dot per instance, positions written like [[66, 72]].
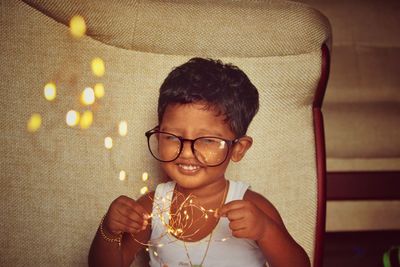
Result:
[[208, 191]]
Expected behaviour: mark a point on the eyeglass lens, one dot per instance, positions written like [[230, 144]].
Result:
[[207, 150]]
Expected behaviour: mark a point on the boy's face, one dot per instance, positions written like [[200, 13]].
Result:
[[191, 121]]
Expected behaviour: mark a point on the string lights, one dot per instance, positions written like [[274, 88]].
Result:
[[177, 222]]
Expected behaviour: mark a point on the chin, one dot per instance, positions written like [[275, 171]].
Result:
[[188, 182]]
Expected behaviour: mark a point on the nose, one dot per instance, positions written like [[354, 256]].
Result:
[[187, 152]]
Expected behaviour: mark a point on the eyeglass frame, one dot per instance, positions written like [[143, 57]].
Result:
[[182, 141]]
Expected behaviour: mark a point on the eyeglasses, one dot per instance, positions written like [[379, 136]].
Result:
[[209, 150]]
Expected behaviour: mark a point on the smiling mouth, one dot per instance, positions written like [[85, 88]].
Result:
[[189, 167]]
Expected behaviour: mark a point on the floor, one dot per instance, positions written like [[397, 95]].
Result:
[[358, 249]]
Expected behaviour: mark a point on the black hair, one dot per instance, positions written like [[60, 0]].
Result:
[[223, 87]]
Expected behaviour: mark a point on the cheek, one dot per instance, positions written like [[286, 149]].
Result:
[[166, 166]]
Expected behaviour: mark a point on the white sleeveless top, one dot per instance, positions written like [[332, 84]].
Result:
[[224, 249]]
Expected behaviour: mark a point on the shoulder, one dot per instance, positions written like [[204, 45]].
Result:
[[263, 204]]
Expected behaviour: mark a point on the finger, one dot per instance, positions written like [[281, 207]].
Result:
[[241, 233], [133, 218], [134, 205], [237, 225], [128, 228], [131, 213], [235, 214], [236, 204], [128, 222]]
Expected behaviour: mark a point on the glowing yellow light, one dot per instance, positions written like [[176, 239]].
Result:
[[86, 119], [122, 175], [34, 122], [77, 26], [145, 176], [123, 128], [144, 190], [224, 239], [155, 253], [108, 142], [50, 91], [72, 118], [99, 90], [98, 67], [87, 96], [206, 216]]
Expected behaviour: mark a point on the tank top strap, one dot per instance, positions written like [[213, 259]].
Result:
[[236, 191], [162, 202], [164, 190]]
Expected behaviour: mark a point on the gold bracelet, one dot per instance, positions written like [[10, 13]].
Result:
[[108, 239]]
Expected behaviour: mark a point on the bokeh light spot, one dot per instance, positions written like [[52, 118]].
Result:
[[145, 176], [98, 67], [34, 122], [72, 118], [86, 119], [50, 91], [144, 190], [108, 142], [122, 175], [77, 26], [123, 128], [87, 96], [99, 90]]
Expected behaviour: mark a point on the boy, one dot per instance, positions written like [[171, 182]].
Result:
[[204, 110]]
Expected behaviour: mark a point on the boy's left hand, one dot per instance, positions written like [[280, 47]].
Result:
[[246, 219]]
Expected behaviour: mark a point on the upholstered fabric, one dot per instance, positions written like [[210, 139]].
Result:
[[211, 28], [56, 183]]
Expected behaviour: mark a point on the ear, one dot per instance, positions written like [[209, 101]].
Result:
[[241, 147]]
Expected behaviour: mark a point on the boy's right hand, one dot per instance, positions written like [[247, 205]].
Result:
[[125, 215]]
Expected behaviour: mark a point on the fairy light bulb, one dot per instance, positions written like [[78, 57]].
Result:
[[72, 118], [88, 96], [123, 128], [77, 26], [50, 91], [98, 67], [34, 122], [108, 142], [99, 90], [86, 119]]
